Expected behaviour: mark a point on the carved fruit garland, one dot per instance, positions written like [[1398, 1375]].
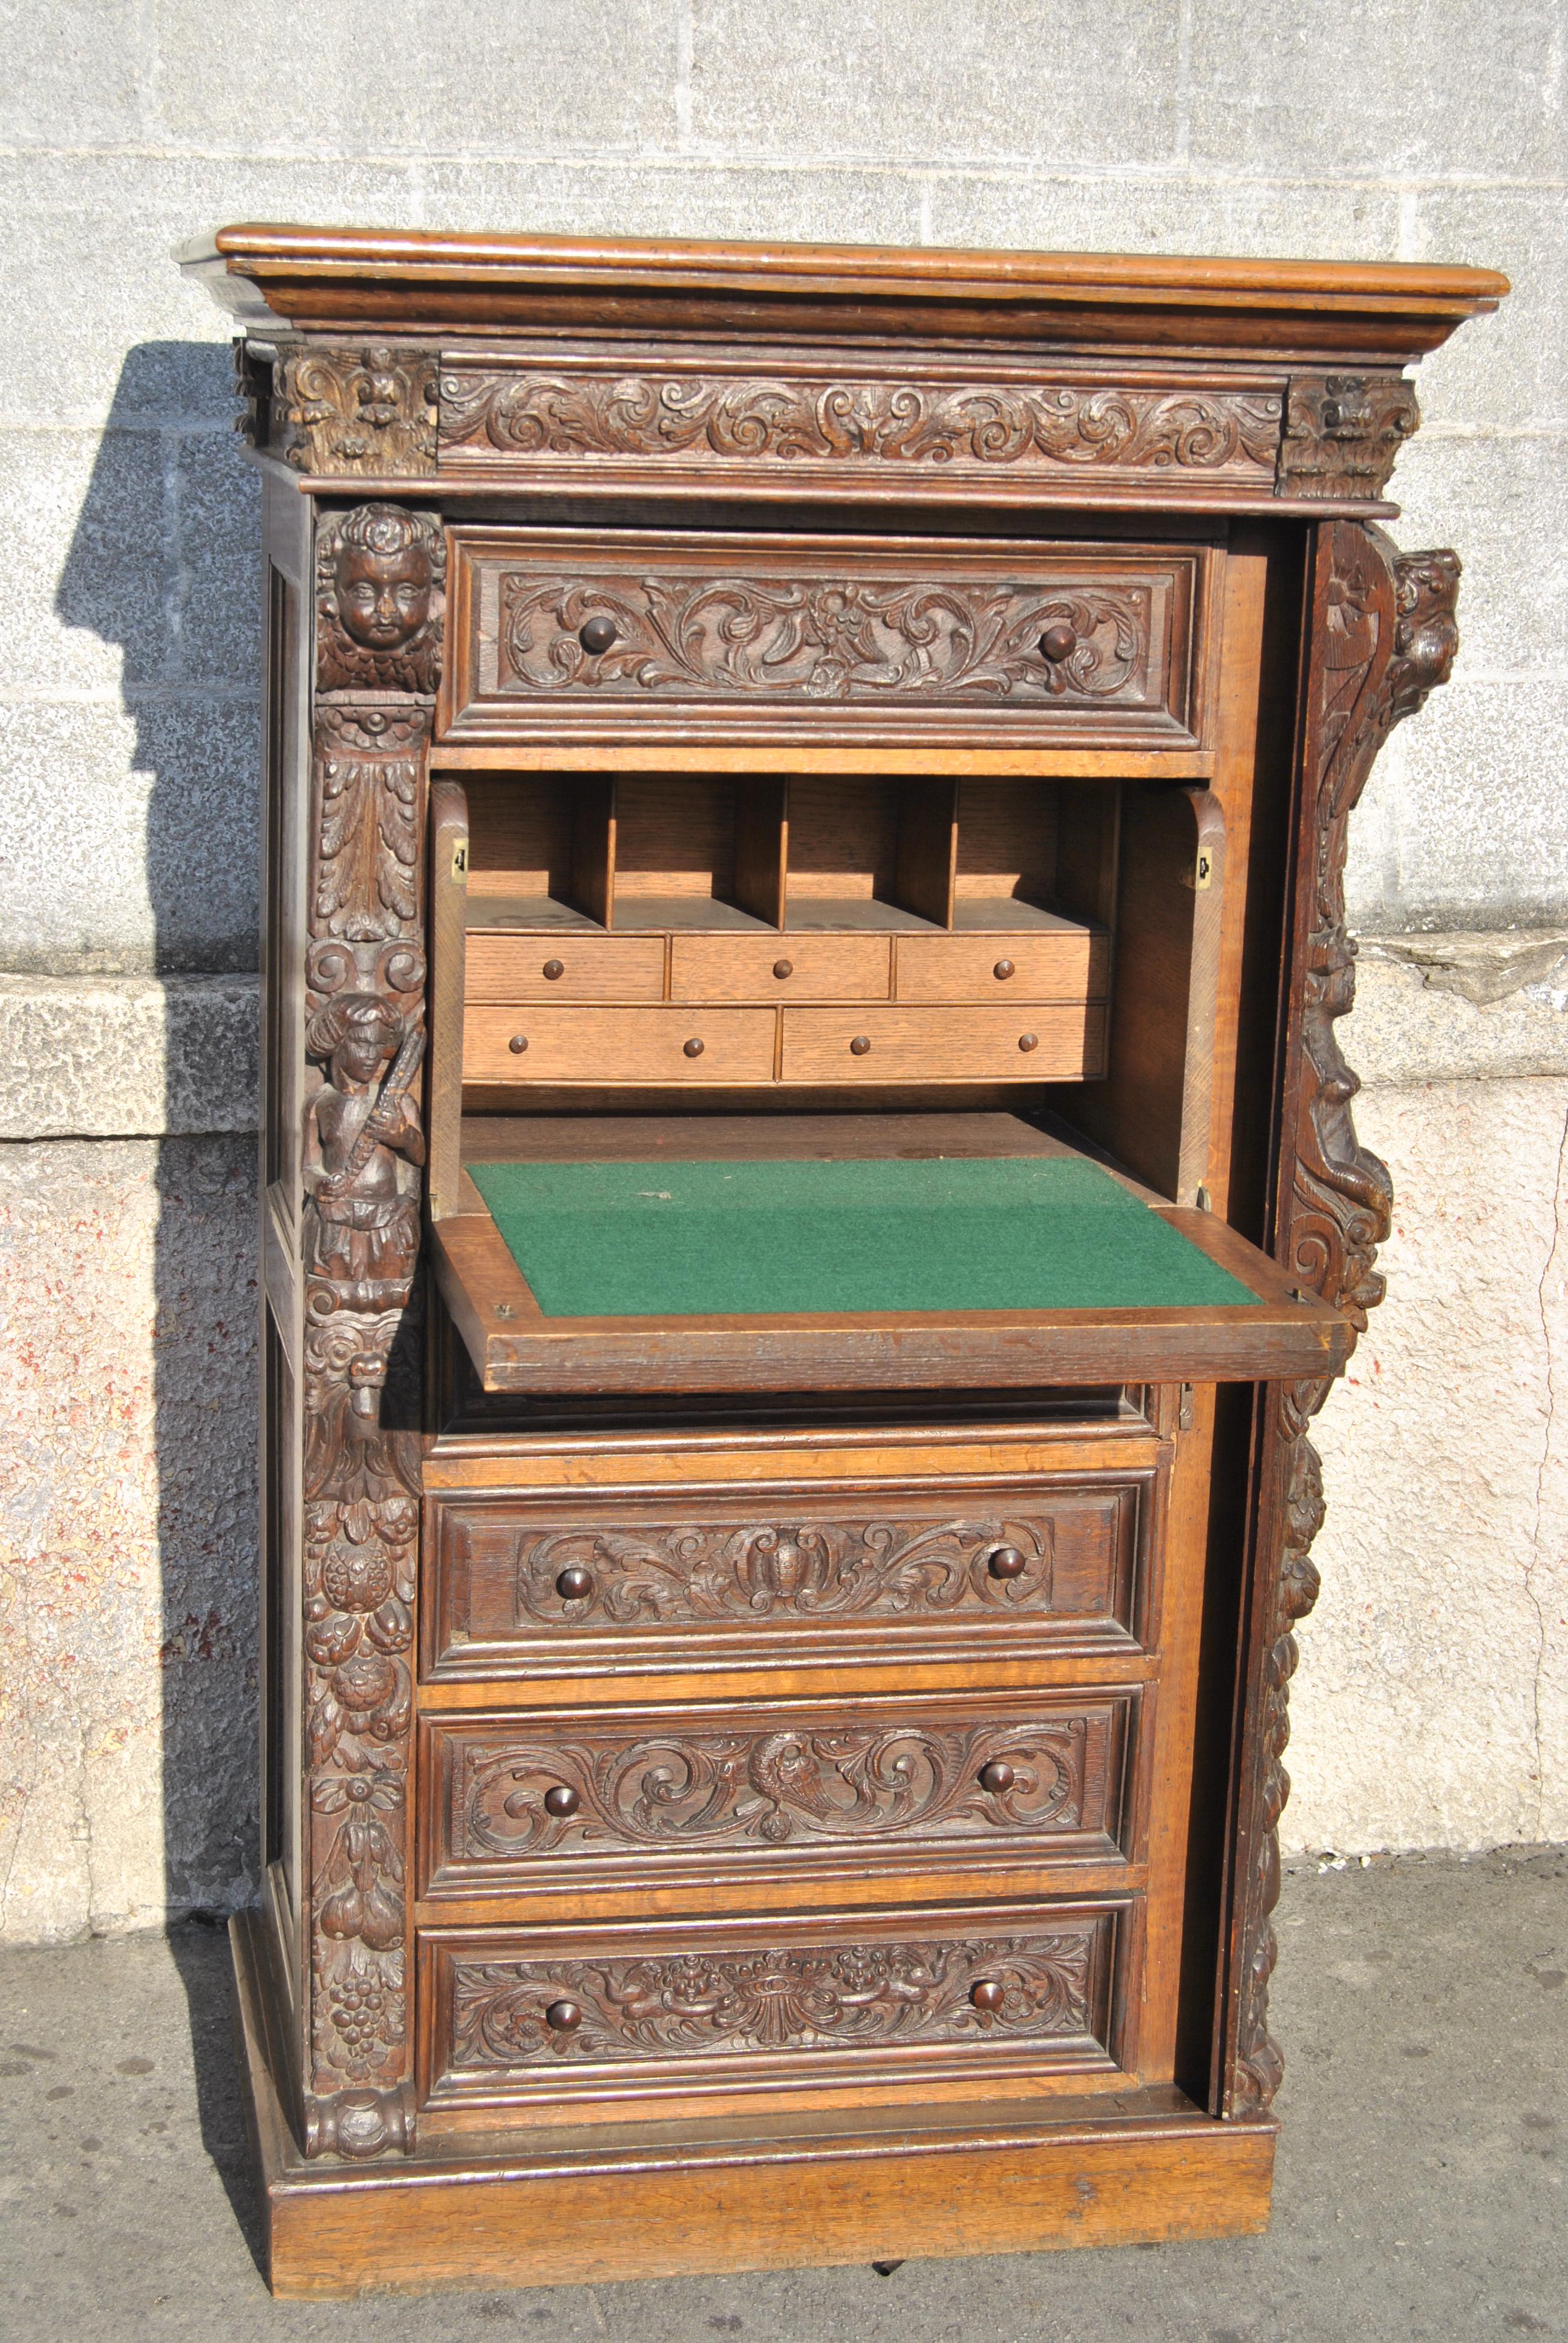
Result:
[[378, 637], [1385, 636]]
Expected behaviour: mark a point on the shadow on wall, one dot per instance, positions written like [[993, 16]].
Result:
[[164, 563]]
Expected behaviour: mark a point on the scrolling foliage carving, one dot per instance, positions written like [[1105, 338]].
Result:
[[747, 419], [825, 639], [802, 1998], [378, 625], [1385, 636]]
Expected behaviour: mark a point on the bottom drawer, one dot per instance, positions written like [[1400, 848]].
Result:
[[972, 2000]]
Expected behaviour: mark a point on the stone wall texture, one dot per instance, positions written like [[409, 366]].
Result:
[[1431, 1694]]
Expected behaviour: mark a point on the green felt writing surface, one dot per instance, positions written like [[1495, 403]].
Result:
[[726, 1239]]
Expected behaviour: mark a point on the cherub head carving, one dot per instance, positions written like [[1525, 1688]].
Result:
[[380, 575]]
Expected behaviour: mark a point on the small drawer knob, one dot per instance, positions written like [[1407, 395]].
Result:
[[693, 1047], [987, 1995], [553, 970], [783, 968], [1057, 642], [996, 1777], [597, 635], [1002, 971], [517, 1044], [561, 1799], [574, 1584], [860, 1045], [1006, 1561], [1028, 1041], [564, 2016]]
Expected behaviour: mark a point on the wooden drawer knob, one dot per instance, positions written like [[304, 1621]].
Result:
[[574, 1586], [860, 1045], [1028, 1041], [517, 1044], [987, 1995], [1003, 968], [1057, 643], [1006, 1561], [554, 969], [596, 635], [783, 968], [561, 1799], [693, 1047], [564, 2016], [996, 1777]]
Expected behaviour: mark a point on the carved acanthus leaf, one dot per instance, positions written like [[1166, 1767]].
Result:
[[362, 409]]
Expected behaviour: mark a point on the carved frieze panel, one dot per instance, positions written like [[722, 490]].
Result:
[[750, 424], [1385, 636], [360, 409], [1342, 433], [364, 1149], [516, 1796]]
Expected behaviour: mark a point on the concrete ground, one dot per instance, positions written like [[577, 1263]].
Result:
[[1424, 2009]]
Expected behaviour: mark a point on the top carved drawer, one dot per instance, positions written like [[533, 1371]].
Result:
[[568, 636]]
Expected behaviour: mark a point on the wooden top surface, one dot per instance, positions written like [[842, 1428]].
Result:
[[436, 282]]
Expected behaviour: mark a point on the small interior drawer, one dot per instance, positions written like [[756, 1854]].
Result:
[[779, 968], [1030, 1043], [564, 968], [1070, 963], [696, 1044]]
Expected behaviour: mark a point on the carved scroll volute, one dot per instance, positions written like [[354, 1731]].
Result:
[[1383, 635], [380, 571]]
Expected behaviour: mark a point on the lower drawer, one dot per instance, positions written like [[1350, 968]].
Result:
[[587, 1799], [973, 1999], [1053, 1041]]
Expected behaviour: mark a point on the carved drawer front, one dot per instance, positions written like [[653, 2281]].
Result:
[[522, 1582], [589, 1799], [1023, 1043], [705, 2010], [564, 968], [562, 635], [779, 968], [1072, 965], [618, 1045]]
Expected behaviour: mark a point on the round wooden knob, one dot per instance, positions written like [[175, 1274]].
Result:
[[1002, 970], [564, 2016], [860, 1045], [576, 1584], [597, 635], [1006, 1561], [782, 968], [1028, 1041], [517, 1044], [1057, 642], [693, 1047], [554, 969], [560, 1798], [996, 1777], [987, 1996]]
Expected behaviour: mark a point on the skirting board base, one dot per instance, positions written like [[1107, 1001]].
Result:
[[524, 2208]]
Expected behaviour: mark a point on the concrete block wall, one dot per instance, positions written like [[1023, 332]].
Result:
[[1364, 129]]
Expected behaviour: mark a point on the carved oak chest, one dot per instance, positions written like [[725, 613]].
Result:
[[809, 1200]]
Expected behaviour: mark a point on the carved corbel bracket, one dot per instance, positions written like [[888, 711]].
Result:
[[378, 642], [359, 409], [1342, 433], [1383, 635]]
